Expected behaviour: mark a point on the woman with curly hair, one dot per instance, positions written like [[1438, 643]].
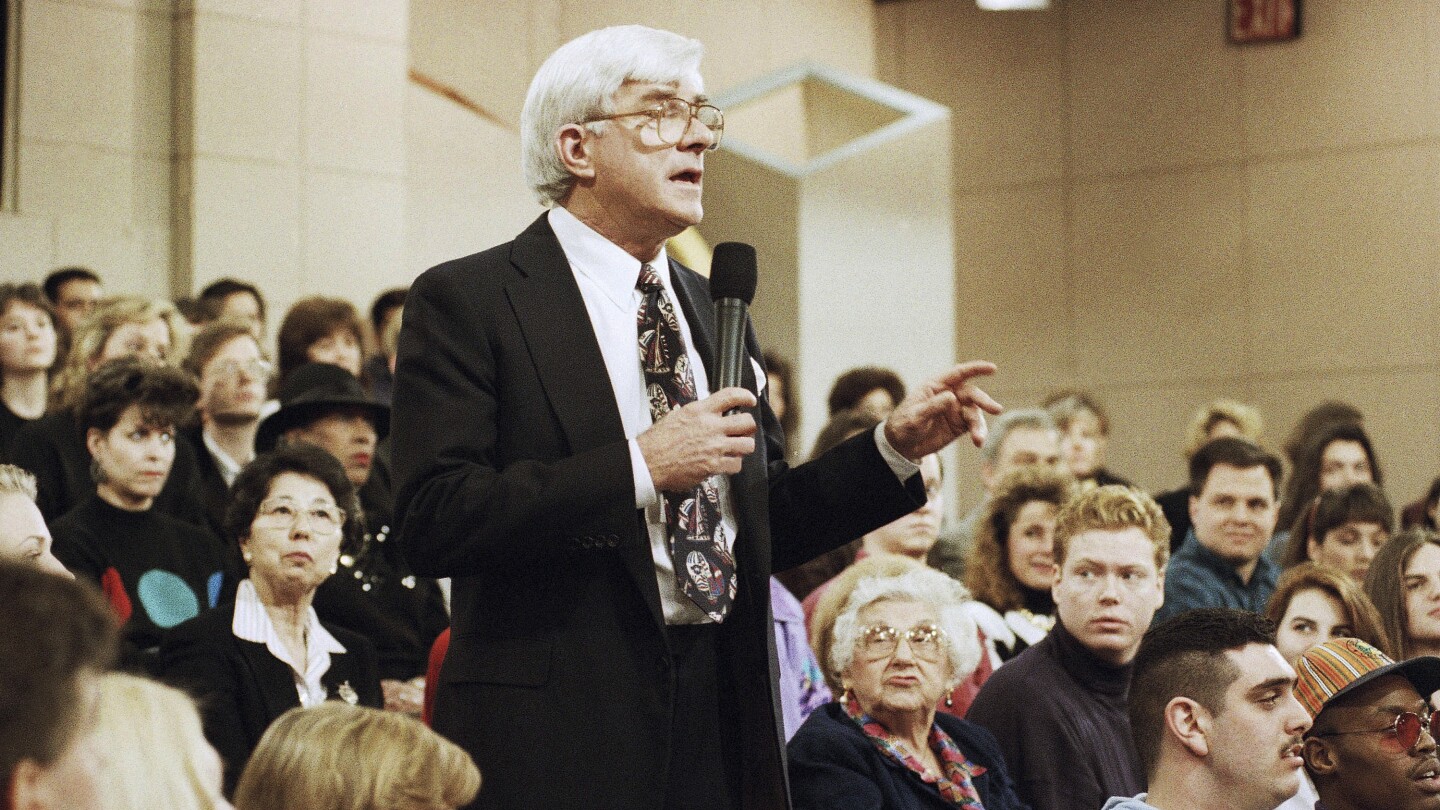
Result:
[[1012, 562]]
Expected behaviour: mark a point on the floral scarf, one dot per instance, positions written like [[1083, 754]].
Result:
[[956, 785]]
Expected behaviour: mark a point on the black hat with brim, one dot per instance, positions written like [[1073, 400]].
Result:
[[312, 391]]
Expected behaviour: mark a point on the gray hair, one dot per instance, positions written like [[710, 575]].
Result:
[[1031, 418], [924, 585], [579, 81], [19, 481]]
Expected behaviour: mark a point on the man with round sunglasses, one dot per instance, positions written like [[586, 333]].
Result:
[[1370, 746]]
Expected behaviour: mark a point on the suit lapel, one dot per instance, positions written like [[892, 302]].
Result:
[[552, 316], [276, 681]]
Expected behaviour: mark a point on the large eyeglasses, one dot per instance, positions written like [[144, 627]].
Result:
[[672, 119], [1400, 736], [283, 513], [882, 640]]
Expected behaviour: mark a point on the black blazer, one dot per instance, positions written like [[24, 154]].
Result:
[[242, 688], [835, 766], [209, 485], [514, 478]]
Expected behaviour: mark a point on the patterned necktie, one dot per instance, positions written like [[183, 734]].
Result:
[[704, 569]]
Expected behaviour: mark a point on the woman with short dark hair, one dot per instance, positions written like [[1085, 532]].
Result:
[[251, 660], [320, 330], [27, 353]]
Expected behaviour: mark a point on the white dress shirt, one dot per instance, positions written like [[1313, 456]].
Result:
[[607, 277], [252, 623], [228, 467]]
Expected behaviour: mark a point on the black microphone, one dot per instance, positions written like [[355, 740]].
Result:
[[732, 285]]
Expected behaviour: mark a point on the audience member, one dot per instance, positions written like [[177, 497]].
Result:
[[1314, 604], [1214, 715], [1016, 439], [910, 536], [406, 766], [268, 650], [1059, 709], [319, 330], [1235, 485], [229, 298], [385, 311], [1319, 418], [1424, 513], [156, 570], [871, 389], [1343, 528], [56, 637], [24, 537], [27, 352], [376, 595], [232, 370], [1404, 585], [1339, 456], [780, 393], [1216, 419], [74, 292], [1012, 565], [156, 755], [1371, 746], [802, 580], [801, 683], [53, 447], [1084, 434], [900, 645]]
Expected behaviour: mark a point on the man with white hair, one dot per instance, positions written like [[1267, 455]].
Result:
[[607, 521]]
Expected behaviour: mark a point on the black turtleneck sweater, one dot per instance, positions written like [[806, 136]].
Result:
[[1060, 716], [156, 571]]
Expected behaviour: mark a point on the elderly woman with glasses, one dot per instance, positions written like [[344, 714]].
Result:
[[251, 661], [900, 645]]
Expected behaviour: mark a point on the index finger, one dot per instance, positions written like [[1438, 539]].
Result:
[[963, 372], [727, 398]]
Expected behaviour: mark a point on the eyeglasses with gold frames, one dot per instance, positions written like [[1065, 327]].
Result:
[[672, 118]]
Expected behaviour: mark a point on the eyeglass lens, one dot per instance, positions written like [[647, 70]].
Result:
[[1408, 726]]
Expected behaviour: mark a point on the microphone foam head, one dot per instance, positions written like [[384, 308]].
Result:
[[733, 272]]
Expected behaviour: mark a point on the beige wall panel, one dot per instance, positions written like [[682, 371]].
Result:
[[29, 247], [131, 259], [1345, 258], [484, 50], [354, 234], [384, 20], [1357, 75], [1148, 423], [246, 223], [464, 189], [355, 105], [1011, 291], [1153, 87], [152, 206], [1402, 416], [153, 67], [248, 83], [1159, 278], [77, 74], [76, 184], [1001, 75], [275, 12]]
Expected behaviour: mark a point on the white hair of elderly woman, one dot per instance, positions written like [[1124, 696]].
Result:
[[578, 82], [924, 585]]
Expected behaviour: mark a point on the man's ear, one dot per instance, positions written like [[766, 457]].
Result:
[[1320, 758], [93, 436], [25, 790], [987, 476], [1189, 723], [573, 147]]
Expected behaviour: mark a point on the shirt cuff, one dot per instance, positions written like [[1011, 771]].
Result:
[[903, 467], [645, 496]]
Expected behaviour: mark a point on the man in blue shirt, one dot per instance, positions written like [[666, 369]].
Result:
[[1234, 500]]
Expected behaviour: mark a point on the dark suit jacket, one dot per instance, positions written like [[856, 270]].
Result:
[[209, 485], [514, 477], [835, 766], [242, 688]]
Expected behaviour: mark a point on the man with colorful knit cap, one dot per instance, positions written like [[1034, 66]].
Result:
[[1370, 747]]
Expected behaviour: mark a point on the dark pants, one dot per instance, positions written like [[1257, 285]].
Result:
[[703, 774]]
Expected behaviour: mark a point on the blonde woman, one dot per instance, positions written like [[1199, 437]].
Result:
[[52, 446], [155, 753], [341, 757]]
